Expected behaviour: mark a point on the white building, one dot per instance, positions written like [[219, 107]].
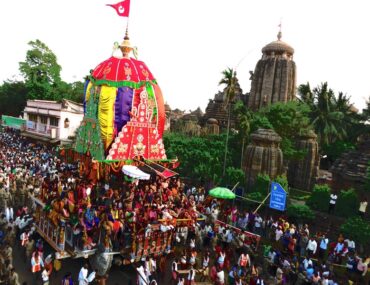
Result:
[[52, 121]]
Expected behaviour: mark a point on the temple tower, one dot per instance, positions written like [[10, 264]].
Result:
[[274, 78]]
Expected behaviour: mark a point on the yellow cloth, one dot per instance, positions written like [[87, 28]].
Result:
[[107, 99], [88, 88]]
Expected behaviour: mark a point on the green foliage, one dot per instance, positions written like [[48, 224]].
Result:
[[336, 149], [283, 181], [41, 71], [319, 199], [367, 183], [257, 196], [300, 213], [229, 80], [200, 157], [289, 120], [72, 91], [357, 229], [262, 184], [259, 121], [13, 97], [331, 115], [233, 176], [366, 111], [347, 204]]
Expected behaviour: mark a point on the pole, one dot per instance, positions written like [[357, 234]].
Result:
[[268, 195], [255, 211], [232, 190]]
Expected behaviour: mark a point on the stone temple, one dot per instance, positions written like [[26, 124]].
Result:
[[274, 78]]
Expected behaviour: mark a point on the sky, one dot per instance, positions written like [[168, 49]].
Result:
[[187, 43]]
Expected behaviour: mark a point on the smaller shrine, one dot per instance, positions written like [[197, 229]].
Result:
[[216, 108], [263, 155], [302, 173], [349, 170]]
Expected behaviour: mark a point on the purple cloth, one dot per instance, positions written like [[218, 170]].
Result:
[[85, 88], [122, 107]]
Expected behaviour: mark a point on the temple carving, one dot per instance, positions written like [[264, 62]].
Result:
[[263, 155], [274, 78]]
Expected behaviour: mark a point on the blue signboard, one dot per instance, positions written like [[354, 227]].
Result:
[[278, 197]]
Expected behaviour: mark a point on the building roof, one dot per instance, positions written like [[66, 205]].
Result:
[[278, 47]]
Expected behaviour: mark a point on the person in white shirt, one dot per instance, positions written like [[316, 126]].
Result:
[[278, 234], [350, 244], [141, 275], [362, 209], [306, 262], [220, 276], [191, 276], [332, 202], [323, 246], [311, 246], [45, 277], [257, 224], [82, 276]]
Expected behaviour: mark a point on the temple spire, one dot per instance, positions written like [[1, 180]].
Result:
[[279, 35], [125, 46]]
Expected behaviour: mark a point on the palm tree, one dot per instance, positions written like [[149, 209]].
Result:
[[244, 119], [229, 79], [326, 117]]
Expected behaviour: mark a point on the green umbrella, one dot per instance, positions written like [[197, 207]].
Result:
[[222, 193]]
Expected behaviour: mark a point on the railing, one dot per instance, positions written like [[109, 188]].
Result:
[[42, 129]]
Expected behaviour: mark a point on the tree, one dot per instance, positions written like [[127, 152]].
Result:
[[290, 120], [229, 79], [366, 111], [330, 115], [347, 204], [41, 72], [319, 199], [367, 183], [13, 97], [357, 229], [244, 118], [300, 213], [200, 157]]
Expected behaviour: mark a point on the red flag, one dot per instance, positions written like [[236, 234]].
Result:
[[122, 8]]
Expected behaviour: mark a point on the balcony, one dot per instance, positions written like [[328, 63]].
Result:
[[44, 130]]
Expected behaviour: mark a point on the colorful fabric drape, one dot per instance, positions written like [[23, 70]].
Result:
[[107, 98], [122, 107]]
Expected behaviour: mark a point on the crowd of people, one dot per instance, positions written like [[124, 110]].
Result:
[[220, 243]]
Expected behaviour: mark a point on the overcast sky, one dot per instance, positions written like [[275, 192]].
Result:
[[187, 43]]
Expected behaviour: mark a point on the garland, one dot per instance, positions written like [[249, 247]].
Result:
[[124, 83]]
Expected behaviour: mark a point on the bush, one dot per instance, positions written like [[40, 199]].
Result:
[[233, 176], [257, 196], [319, 199], [263, 181], [283, 181], [262, 184], [300, 213], [347, 204], [356, 229]]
